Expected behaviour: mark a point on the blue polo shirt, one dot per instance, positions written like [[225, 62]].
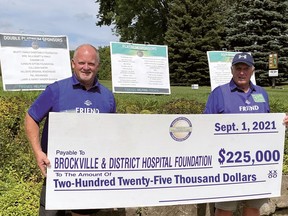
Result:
[[68, 95], [228, 98]]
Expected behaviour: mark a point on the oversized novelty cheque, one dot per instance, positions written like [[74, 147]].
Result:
[[131, 160]]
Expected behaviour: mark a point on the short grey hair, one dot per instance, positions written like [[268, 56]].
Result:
[[96, 51]]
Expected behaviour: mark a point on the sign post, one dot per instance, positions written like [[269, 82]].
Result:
[[273, 67]]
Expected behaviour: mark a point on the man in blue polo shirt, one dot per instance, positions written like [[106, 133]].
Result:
[[81, 93], [240, 95]]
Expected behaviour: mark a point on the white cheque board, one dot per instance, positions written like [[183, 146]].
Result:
[[133, 160]]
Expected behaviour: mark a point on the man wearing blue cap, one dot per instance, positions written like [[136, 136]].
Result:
[[240, 95]]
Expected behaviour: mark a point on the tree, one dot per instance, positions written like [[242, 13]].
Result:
[[191, 28], [194, 27], [105, 63], [260, 27], [135, 21]]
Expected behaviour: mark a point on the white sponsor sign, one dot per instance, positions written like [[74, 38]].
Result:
[[273, 73], [31, 62], [139, 68], [220, 68], [122, 160]]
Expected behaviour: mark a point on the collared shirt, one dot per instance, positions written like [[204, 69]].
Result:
[[68, 95], [228, 98]]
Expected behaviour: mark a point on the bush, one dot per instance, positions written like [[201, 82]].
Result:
[[276, 106], [20, 178], [17, 196], [145, 106], [15, 153], [183, 106]]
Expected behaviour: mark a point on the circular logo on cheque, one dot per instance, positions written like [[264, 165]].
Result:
[[180, 129]]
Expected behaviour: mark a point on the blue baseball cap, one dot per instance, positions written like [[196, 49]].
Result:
[[243, 57]]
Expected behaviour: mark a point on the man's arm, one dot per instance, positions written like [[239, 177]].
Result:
[[33, 134]]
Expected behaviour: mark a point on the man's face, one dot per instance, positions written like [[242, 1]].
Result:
[[242, 73], [85, 66]]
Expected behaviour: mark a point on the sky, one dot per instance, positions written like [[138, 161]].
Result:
[[74, 18]]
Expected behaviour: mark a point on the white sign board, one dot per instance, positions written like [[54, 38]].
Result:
[[273, 73], [122, 160], [139, 68], [31, 62], [220, 68]]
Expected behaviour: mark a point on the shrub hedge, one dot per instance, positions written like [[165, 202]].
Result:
[[19, 175]]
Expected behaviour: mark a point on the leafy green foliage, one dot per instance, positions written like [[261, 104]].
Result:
[[18, 196], [13, 143], [285, 162], [105, 63], [191, 28], [19, 174], [260, 27], [277, 106], [136, 21], [183, 106], [194, 27], [145, 106]]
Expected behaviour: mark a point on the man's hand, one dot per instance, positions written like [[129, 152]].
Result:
[[285, 120], [42, 162]]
